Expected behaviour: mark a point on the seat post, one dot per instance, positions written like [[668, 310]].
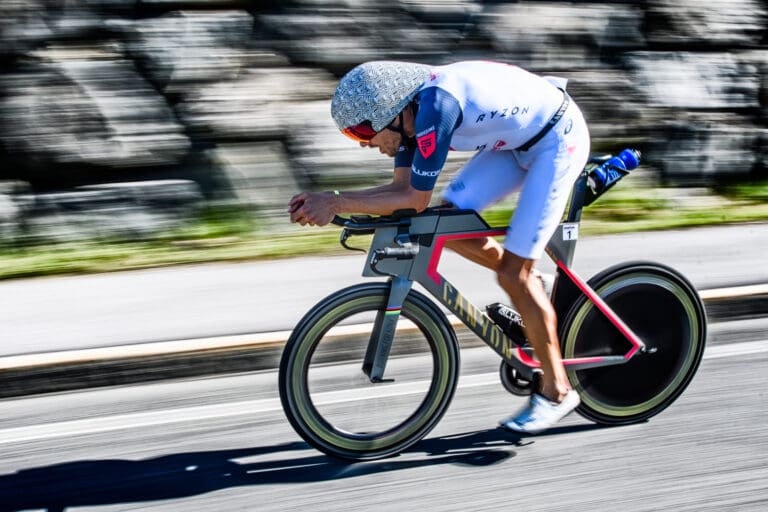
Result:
[[562, 244], [577, 199]]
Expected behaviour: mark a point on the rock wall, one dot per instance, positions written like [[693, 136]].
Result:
[[232, 97]]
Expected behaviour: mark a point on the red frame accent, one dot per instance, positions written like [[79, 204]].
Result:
[[440, 243], [605, 309], [533, 363], [593, 297]]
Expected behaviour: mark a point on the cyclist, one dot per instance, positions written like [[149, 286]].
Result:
[[528, 135]]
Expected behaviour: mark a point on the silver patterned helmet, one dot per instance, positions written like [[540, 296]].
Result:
[[374, 93]]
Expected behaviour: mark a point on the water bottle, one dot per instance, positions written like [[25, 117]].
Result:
[[605, 175]]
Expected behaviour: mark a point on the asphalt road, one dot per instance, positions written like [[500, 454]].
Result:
[[63, 313], [223, 444]]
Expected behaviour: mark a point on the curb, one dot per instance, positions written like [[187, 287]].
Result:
[[146, 362], [736, 303]]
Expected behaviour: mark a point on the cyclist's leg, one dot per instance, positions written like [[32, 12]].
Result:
[[528, 296], [553, 165], [486, 179], [555, 398]]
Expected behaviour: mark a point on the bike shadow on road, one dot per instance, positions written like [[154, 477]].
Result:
[[113, 481]]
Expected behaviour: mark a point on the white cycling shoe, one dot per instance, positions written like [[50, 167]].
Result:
[[541, 414]]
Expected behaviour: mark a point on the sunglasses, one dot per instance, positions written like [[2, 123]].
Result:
[[362, 132]]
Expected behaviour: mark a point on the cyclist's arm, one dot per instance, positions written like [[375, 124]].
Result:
[[439, 116], [318, 208], [416, 171], [398, 195]]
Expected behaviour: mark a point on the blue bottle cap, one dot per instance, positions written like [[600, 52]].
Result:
[[631, 158]]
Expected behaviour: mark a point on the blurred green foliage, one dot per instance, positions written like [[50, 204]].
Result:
[[231, 234], [755, 192]]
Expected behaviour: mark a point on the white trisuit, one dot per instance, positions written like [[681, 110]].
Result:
[[495, 108]]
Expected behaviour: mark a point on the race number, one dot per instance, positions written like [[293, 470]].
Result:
[[570, 231]]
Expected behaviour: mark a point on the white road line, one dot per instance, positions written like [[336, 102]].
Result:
[[736, 349], [104, 424]]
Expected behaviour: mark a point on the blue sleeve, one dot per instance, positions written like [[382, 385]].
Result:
[[439, 115], [404, 157]]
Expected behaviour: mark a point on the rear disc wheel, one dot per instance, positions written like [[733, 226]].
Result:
[[665, 311]]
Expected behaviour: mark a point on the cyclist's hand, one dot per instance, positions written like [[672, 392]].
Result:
[[312, 208]]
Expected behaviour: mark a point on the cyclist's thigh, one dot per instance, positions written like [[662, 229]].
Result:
[[487, 178], [553, 166]]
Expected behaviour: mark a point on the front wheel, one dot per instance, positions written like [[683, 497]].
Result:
[[331, 402], [665, 311]]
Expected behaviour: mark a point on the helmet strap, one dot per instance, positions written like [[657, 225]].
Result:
[[397, 129], [405, 140]]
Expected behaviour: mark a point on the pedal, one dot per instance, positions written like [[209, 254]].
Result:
[[510, 322]]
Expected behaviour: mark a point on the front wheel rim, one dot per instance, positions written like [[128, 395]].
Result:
[[327, 435]]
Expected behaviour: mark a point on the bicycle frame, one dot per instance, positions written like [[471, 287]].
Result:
[[408, 249]]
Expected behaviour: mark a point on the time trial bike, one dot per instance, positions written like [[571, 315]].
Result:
[[371, 369]]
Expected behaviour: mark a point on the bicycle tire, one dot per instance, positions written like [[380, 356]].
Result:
[[310, 350], [666, 312]]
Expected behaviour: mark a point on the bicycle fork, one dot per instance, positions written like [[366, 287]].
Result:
[[380, 343]]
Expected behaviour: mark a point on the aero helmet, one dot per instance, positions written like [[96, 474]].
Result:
[[374, 93]]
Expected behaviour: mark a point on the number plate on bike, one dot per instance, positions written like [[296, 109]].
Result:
[[570, 231]]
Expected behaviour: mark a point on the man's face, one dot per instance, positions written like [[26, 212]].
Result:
[[387, 141]]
